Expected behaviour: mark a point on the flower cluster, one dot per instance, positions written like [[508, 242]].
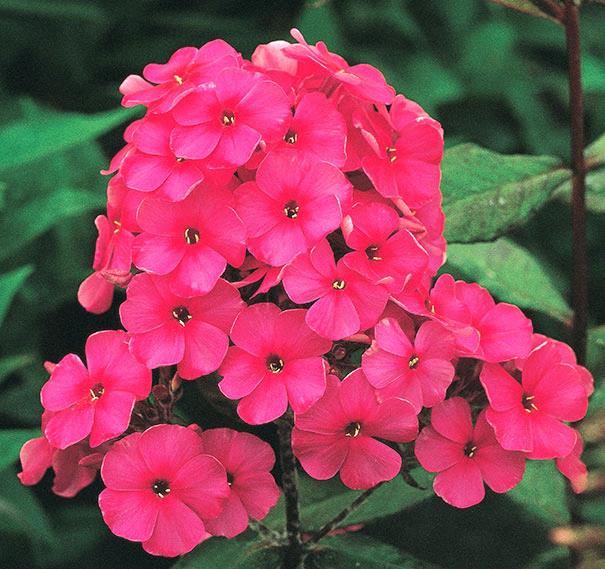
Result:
[[277, 222]]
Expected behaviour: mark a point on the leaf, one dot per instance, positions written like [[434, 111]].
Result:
[[241, 552], [320, 501], [10, 284], [542, 493], [511, 273], [595, 152], [51, 9], [11, 364], [319, 22], [526, 7], [349, 551], [485, 193], [11, 441], [54, 132], [42, 213]]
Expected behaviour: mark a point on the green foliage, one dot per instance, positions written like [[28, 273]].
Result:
[[525, 6], [9, 285], [11, 441]]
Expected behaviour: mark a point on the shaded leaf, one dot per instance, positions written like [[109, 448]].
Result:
[[595, 152], [485, 193], [11, 364], [526, 7], [52, 9], [11, 441], [10, 284], [511, 273]]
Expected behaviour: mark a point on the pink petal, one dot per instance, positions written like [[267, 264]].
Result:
[[236, 146], [232, 520], [303, 343], [334, 316], [258, 211], [146, 173], [156, 253], [241, 372], [321, 456], [368, 463], [265, 108], [112, 416], [502, 390], [505, 333], [435, 342], [254, 328], [70, 477], [198, 271], [205, 349], [181, 181], [218, 307], [551, 438], [560, 393], [302, 282], [502, 470], [161, 346], [280, 244], [460, 485], [195, 142], [70, 426], [435, 376], [123, 466], [435, 452], [327, 415], [452, 419], [95, 294], [267, 402], [258, 493], [406, 387], [391, 338], [383, 368], [394, 420], [305, 381], [36, 457], [67, 384], [131, 514], [513, 428]]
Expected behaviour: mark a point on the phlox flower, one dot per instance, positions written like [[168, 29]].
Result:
[[465, 457], [528, 416], [96, 401], [252, 489], [292, 206], [168, 329], [276, 360], [226, 120], [161, 488], [418, 371], [191, 241], [572, 467], [381, 249], [339, 433], [187, 68], [346, 302]]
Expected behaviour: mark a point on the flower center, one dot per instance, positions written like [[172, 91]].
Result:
[[339, 284], [353, 429], [181, 315], [291, 137], [192, 236], [413, 361], [291, 209], [96, 391], [372, 253], [391, 153], [470, 449], [275, 364], [117, 226], [228, 118], [161, 488], [180, 160], [528, 403], [429, 306], [229, 478], [178, 79]]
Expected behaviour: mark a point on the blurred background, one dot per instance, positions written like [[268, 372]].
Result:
[[490, 75]]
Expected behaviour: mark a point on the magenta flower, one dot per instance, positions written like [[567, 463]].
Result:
[[192, 240], [528, 416], [338, 434], [154, 167], [405, 157], [381, 249], [292, 206], [225, 120], [186, 68], [253, 492], [161, 489], [276, 359], [465, 457], [346, 301], [96, 401], [572, 467], [316, 131], [167, 329], [420, 371]]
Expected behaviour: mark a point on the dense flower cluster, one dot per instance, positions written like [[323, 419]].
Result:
[[277, 222]]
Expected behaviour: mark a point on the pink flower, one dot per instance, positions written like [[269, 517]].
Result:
[[192, 240], [155, 167], [528, 416], [292, 206], [381, 249], [186, 68], [168, 329], [572, 467], [316, 131], [248, 461], [276, 359], [464, 457], [338, 434], [407, 148], [227, 119], [419, 372], [346, 301], [161, 489], [363, 80], [98, 400]]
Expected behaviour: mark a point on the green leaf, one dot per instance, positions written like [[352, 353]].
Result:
[[241, 552], [319, 22], [320, 501], [542, 493], [526, 7], [42, 213], [511, 273], [11, 364], [53, 9], [10, 284], [54, 132], [11, 441], [595, 152], [349, 551], [485, 193]]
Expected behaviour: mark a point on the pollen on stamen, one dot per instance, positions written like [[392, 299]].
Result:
[[391, 153], [96, 391], [181, 315], [178, 79], [291, 209], [528, 403], [179, 160], [339, 284], [353, 429], [470, 449], [192, 236], [228, 118], [413, 361], [117, 226], [275, 364], [161, 488], [291, 137], [372, 253]]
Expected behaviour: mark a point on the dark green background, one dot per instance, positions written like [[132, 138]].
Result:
[[491, 76]]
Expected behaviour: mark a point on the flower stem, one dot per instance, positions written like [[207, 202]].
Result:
[[294, 553], [578, 166], [339, 518]]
